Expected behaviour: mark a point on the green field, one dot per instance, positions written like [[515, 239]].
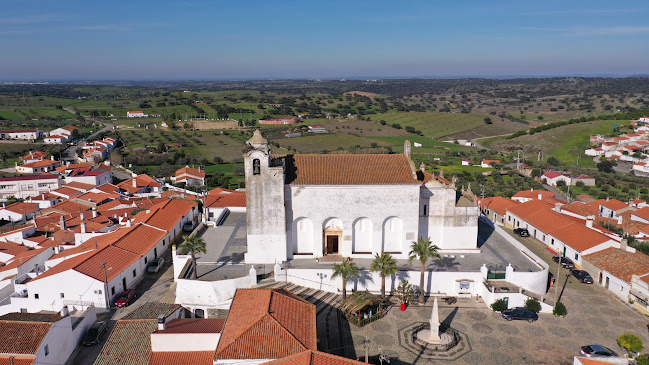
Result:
[[564, 143], [330, 142], [433, 124], [428, 146]]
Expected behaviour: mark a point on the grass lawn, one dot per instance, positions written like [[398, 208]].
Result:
[[433, 124], [428, 146]]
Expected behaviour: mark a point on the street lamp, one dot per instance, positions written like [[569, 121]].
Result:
[[103, 264]]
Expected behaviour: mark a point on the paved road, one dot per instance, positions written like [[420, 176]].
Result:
[[70, 152], [478, 145]]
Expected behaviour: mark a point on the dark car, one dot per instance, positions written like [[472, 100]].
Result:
[[126, 298], [523, 232], [94, 334], [582, 275], [596, 350], [520, 313], [565, 262]]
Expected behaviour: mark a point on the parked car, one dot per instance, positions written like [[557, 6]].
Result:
[[95, 332], [523, 232], [520, 313], [188, 227], [565, 262], [597, 350], [582, 275], [126, 298], [155, 265]]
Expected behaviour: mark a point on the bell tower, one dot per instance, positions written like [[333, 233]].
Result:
[[265, 212]]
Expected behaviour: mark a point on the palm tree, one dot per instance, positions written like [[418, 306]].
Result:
[[384, 264], [346, 270], [422, 250], [193, 245]]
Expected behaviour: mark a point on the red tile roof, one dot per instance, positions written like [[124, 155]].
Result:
[[236, 199], [552, 174], [66, 192], [579, 208], [42, 163], [524, 209], [164, 215], [22, 207], [129, 343], [36, 155], [79, 185], [579, 237], [17, 360], [348, 169], [614, 204], [194, 325], [182, 358], [282, 321], [22, 337], [498, 204], [12, 248], [621, 264], [642, 213], [311, 357], [190, 171], [534, 194]]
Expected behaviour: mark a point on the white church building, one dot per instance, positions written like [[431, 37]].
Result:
[[352, 205]]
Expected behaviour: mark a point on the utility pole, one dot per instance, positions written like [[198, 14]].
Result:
[[103, 264]]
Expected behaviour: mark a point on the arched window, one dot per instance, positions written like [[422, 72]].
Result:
[[362, 238], [392, 235], [303, 236], [256, 169]]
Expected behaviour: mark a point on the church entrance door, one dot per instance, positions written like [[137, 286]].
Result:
[[332, 245]]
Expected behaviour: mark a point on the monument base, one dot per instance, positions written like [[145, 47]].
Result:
[[423, 337]]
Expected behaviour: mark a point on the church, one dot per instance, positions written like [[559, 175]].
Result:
[[349, 205]]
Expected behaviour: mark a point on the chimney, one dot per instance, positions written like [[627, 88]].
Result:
[[134, 182], [540, 196], [406, 148], [94, 212], [64, 311], [161, 322], [52, 157], [62, 222], [623, 244], [589, 221], [422, 167], [619, 219], [82, 226], [607, 198], [129, 222], [557, 207]]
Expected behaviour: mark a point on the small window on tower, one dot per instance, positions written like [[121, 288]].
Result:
[[255, 167]]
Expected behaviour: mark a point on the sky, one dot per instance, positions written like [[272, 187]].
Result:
[[45, 40]]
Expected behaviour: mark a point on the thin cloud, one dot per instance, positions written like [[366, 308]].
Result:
[[582, 11], [593, 31]]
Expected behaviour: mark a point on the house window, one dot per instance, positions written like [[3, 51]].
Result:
[[145, 260], [62, 295], [134, 272], [164, 241], [47, 350], [23, 310], [35, 296], [112, 291], [576, 256], [552, 242], [425, 209], [256, 169]]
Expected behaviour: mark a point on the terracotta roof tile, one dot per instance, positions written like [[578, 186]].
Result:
[[498, 204], [17, 360], [182, 358], [36, 155], [151, 310], [22, 337], [621, 264], [524, 209], [164, 215], [642, 213], [285, 323], [235, 199], [79, 185], [580, 209], [12, 248], [614, 204], [311, 357], [349, 169], [21, 207], [190, 171], [579, 237], [129, 343], [534, 194]]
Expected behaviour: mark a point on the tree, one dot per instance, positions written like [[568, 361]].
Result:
[[384, 264], [605, 166], [533, 305], [499, 305], [346, 270], [553, 161], [642, 359], [559, 310], [630, 342], [422, 250], [116, 158], [488, 120], [193, 245]]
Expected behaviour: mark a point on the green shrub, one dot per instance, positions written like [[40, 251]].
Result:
[[533, 305], [499, 305], [642, 359], [630, 342], [559, 310]]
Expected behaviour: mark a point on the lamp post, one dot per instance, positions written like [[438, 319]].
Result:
[[103, 264]]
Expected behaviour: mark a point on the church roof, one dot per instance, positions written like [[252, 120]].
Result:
[[349, 169]]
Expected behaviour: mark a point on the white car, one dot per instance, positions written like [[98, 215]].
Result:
[[155, 265]]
